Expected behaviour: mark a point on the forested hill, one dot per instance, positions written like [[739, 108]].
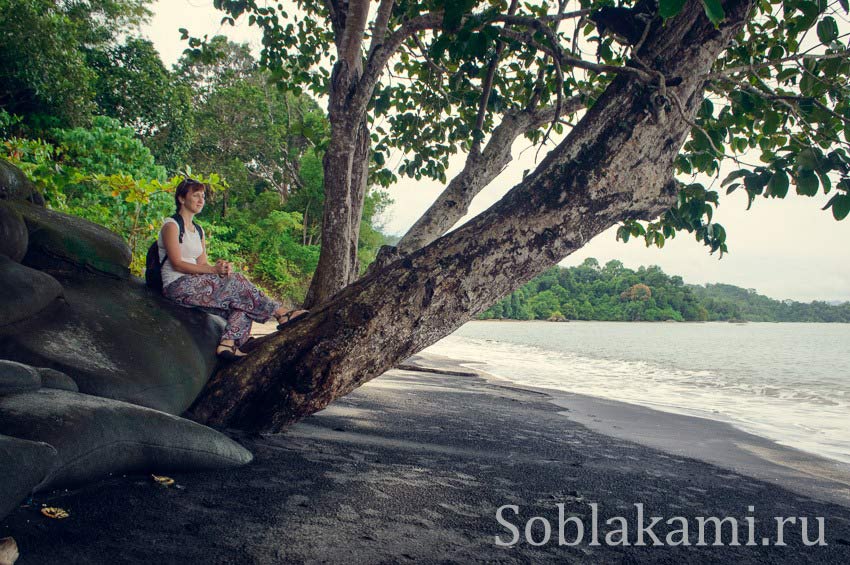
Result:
[[613, 292]]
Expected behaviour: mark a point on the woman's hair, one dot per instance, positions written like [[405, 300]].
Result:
[[186, 186]]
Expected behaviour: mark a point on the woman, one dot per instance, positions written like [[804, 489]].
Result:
[[189, 280]]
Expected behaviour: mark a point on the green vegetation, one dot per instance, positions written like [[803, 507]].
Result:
[[91, 114], [615, 293]]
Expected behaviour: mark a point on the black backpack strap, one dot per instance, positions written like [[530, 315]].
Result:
[[199, 228], [179, 219]]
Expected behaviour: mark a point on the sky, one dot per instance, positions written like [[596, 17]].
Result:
[[784, 248]]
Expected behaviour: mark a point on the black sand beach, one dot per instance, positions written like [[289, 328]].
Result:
[[413, 467]]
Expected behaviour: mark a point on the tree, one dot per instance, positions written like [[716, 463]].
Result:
[[489, 71], [45, 71], [133, 86]]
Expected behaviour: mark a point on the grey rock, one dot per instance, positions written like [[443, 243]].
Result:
[[23, 465], [17, 377], [61, 243], [95, 437], [24, 291], [14, 237], [14, 184], [51, 378], [118, 339]]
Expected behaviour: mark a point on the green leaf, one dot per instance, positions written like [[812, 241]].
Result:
[[825, 181], [786, 74], [810, 15], [455, 10], [845, 4], [807, 183], [778, 184], [771, 122], [807, 160], [755, 183], [827, 30], [669, 8], [840, 206], [734, 175], [714, 11]]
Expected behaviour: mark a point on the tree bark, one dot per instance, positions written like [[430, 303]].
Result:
[[615, 164], [359, 185]]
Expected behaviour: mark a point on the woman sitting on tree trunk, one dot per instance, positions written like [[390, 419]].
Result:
[[189, 280]]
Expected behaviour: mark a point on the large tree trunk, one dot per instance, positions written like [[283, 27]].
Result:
[[615, 164], [343, 168]]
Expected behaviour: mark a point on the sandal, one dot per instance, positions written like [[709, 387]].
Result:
[[287, 317], [229, 352]]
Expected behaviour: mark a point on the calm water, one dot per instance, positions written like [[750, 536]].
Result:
[[787, 382]]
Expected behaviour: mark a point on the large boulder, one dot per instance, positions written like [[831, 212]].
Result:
[[118, 339], [24, 291], [14, 184], [59, 242], [95, 437], [14, 237], [16, 377], [23, 465], [51, 378]]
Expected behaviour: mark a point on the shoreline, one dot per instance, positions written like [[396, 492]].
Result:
[[709, 440], [413, 467]]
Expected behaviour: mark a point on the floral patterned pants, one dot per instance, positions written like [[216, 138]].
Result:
[[232, 297]]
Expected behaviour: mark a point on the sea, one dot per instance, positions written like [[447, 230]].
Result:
[[789, 382]]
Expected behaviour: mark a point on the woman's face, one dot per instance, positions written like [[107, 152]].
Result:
[[194, 201]]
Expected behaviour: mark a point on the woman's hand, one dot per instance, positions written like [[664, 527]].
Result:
[[223, 267]]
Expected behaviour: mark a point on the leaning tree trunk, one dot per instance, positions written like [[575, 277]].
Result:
[[615, 164]]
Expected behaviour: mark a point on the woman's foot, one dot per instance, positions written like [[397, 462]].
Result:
[[286, 317], [229, 352]]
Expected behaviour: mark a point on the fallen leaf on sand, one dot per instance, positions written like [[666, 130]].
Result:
[[8, 551], [55, 513], [164, 481]]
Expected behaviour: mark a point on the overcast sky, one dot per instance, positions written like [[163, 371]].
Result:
[[785, 248]]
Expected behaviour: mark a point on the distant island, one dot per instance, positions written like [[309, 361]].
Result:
[[616, 293]]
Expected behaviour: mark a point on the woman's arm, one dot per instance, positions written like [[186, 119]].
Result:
[[170, 237], [202, 260]]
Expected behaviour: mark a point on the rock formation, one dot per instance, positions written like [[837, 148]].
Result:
[[95, 368]]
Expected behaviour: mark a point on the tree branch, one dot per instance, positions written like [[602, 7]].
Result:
[[382, 20], [356, 18], [478, 172], [570, 61], [487, 88], [381, 55], [725, 73]]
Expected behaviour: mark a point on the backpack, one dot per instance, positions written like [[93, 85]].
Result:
[[153, 265]]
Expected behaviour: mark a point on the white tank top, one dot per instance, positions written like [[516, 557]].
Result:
[[191, 248]]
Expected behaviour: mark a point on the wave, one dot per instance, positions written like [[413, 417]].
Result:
[[806, 414]]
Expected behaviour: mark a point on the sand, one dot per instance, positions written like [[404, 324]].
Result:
[[413, 466]]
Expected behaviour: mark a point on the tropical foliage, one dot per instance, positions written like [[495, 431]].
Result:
[[92, 115], [615, 293]]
